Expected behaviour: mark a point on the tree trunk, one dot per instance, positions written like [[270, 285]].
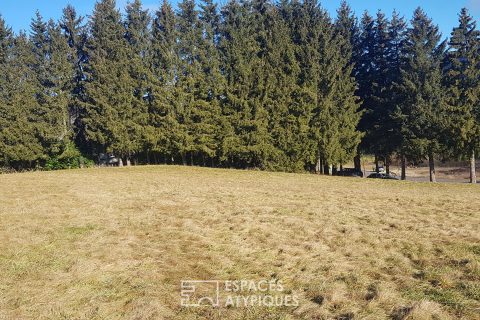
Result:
[[184, 159], [120, 162], [387, 164], [377, 168], [357, 162], [404, 167], [129, 163], [318, 166], [431, 165], [473, 174], [191, 159]]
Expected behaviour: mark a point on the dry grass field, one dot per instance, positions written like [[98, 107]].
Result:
[[115, 243]]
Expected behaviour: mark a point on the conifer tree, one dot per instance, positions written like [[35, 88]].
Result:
[[392, 98], [21, 125], [421, 114], [75, 35], [365, 73], [197, 110], [60, 74], [137, 34], [382, 141], [209, 125], [463, 81], [114, 123], [306, 21], [163, 135], [346, 28], [52, 79], [249, 143]]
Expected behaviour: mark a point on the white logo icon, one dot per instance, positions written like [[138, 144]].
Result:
[[200, 293]]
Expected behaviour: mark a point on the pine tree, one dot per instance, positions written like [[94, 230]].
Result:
[[421, 114], [113, 123], [463, 81]]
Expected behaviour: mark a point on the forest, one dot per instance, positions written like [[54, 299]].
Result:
[[278, 86]]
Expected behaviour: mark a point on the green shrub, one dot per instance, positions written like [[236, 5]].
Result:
[[70, 158]]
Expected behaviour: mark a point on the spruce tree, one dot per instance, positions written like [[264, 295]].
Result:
[[346, 28], [75, 35], [60, 74], [243, 40], [365, 73], [163, 132], [463, 82], [382, 139], [113, 123], [421, 114], [197, 110], [21, 123], [392, 97], [211, 88], [52, 72], [137, 34], [306, 22]]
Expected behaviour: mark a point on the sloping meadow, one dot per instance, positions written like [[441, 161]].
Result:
[[116, 243]]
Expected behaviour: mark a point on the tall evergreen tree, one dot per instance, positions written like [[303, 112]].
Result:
[[52, 79], [463, 81], [137, 34], [114, 122], [422, 113], [243, 37], [393, 98], [197, 110], [306, 21], [75, 35], [163, 131], [365, 73], [21, 123]]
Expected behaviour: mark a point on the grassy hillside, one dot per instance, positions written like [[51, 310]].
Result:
[[116, 243]]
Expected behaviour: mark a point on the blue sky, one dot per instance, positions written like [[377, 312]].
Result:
[[18, 13]]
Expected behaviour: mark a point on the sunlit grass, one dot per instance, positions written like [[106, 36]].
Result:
[[115, 243]]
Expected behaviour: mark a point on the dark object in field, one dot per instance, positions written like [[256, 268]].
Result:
[[349, 172], [376, 175], [108, 159]]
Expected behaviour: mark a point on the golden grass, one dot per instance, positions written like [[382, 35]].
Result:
[[115, 243]]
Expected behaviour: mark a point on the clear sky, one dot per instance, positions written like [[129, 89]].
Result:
[[18, 13]]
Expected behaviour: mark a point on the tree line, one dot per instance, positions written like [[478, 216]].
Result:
[[253, 84]]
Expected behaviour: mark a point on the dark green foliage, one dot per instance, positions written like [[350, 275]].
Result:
[[463, 83], [255, 84], [115, 120], [21, 123], [422, 114]]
